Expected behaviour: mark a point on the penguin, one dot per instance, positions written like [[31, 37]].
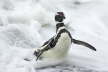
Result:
[[57, 47]]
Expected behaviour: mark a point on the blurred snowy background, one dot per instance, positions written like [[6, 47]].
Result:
[[26, 24]]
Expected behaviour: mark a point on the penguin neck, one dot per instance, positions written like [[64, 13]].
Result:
[[59, 26]]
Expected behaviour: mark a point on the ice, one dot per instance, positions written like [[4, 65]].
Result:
[[26, 24]]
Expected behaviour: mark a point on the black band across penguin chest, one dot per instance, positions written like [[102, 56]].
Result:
[[51, 43], [59, 35]]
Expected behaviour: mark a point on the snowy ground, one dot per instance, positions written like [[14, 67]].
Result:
[[26, 24]]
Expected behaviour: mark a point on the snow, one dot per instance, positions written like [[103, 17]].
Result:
[[26, 24]]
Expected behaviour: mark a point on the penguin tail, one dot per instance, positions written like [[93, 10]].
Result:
[[84, 44]]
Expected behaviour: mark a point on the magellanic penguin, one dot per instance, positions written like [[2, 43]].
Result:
[[57, 47]]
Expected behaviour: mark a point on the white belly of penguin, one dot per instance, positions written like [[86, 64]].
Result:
[[61, 48]]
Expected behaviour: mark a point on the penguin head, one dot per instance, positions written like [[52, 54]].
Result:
[[59, 17]]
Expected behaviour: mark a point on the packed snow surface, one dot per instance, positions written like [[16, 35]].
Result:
[[26, 24]]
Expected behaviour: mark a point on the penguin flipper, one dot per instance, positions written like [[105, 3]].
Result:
[[49, 44], [49, 41], [83, 43], [45, 47]]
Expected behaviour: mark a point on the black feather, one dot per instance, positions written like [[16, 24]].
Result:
[[83, 43]]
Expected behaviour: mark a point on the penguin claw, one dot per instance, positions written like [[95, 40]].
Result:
[[26, 59], [38, 53]]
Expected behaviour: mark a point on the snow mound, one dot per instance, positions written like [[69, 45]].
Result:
[[26, 24]]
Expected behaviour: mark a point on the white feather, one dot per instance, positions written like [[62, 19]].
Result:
[[55, 55], [61, 48]]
